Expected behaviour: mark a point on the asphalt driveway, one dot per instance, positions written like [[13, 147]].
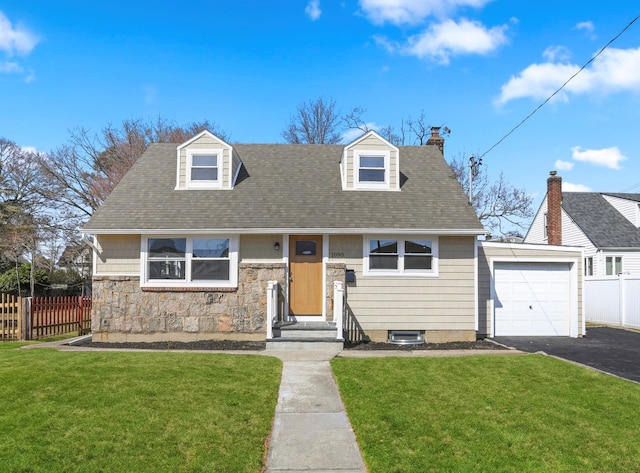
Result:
[[615, 351]]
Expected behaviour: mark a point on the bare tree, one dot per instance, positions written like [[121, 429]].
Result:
[[411, 131], [78, 176], [314, 122], [498, 204]]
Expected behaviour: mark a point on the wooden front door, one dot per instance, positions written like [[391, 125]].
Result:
[[305, 275]]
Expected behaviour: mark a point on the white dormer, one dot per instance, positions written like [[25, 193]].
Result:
[[370, 163], [206, 162]]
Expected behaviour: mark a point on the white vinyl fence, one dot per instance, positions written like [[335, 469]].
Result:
[[613, 300]]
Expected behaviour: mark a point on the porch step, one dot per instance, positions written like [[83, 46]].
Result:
[[305, 330], [304, 336]]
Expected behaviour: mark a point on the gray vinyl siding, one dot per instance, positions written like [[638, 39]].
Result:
[[512, 252], [445, 302], [118, 255]]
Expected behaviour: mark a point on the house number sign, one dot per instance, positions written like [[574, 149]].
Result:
[[337, 254]]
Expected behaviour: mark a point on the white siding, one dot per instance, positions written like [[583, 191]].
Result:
[[630, 261], [536, 230], [628, 208]]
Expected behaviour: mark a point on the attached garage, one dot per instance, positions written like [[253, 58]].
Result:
[[532, 299], [529, 290]]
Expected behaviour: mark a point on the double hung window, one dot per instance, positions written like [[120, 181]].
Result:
[[204, 168], [372, 169], [190, 261], [613, 265], [588, 266], [400, 256]]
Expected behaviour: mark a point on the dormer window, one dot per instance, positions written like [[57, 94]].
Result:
[[203, 167], [372, 169]]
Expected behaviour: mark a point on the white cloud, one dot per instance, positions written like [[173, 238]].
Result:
[[588, 27], [10, 67], [607, 157], [313, 10], [412, 12], [15, 40], [556, 53], [569, 187], [563, 165], [615, 70], [353, 133], [585, 25], [443, 40]]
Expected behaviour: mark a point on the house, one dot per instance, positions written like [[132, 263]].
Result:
[[191, 240], [76, 257], [606, 225]]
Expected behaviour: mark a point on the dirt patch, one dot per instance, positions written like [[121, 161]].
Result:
[[236, 345]]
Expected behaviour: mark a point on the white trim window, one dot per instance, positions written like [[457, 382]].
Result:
[[199, 261], [613, 265], [588, 266], [204, 168], [371, 169], [400, 256]]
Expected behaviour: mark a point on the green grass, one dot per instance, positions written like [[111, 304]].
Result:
[[134, 412], [495, 413]]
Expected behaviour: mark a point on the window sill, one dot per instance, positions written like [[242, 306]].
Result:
[[398, 274], [187, 289]]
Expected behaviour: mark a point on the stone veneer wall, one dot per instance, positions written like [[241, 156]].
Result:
[[123, 311], [335, 272]]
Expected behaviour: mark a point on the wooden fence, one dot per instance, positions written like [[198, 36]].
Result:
[[43, 317], [10, 317]]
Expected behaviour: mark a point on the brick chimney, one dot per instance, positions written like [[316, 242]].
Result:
[[554, 211], [436, 139]]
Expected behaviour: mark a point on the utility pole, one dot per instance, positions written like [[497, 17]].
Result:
[[474, 169]]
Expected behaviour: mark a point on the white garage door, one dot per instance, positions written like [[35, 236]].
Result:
[[532, 299]]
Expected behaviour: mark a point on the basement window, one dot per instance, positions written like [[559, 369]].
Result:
[[406, 337]]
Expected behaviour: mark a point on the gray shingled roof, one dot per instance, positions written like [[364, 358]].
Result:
[[600, 221], [286, 187]]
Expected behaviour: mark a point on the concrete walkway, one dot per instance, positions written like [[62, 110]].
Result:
[[311, 430]]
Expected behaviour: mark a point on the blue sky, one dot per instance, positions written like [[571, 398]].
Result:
[[476, 66]]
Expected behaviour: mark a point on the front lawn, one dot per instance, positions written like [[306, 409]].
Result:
[[489, 413], [142, 412]]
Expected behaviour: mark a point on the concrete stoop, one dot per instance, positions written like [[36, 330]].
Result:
[[304, 336]]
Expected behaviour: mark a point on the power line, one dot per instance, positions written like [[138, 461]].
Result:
[[562, 86]]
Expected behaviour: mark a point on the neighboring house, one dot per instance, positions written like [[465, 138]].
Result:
[[606, 225], [187, 243], [77, 257]]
